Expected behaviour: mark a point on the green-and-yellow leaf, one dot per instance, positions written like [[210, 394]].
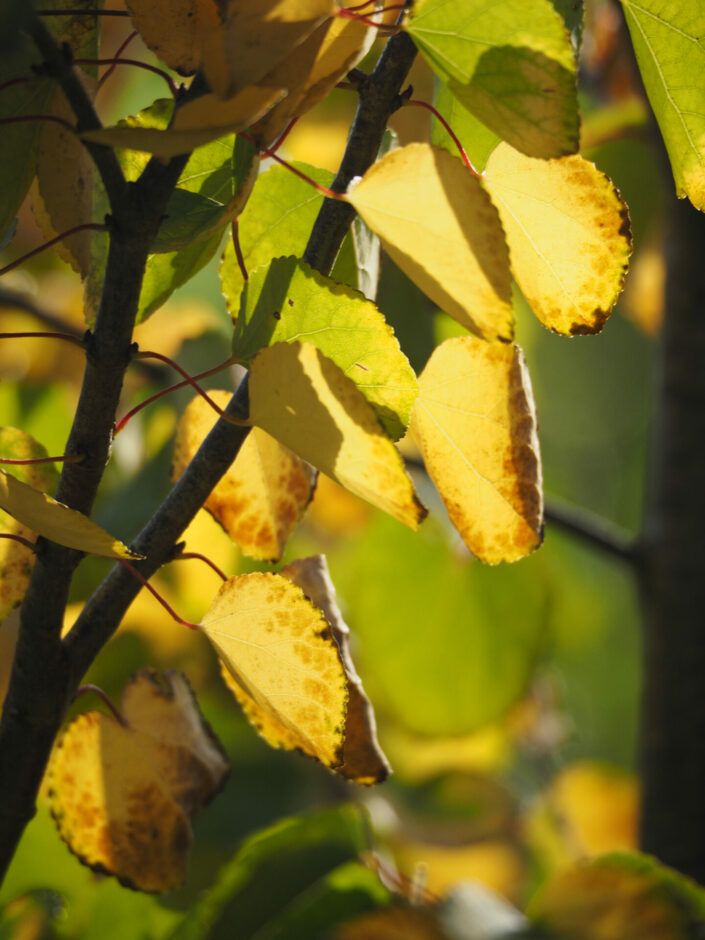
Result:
[[474, 419], [287, 300], [437, 222], [304, 400], [568, 233], [57, 522]]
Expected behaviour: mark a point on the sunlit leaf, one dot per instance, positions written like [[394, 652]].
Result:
[[175, 31], [122, 795], [262, 496], [437, 222], [632, 897], [304, 400], [57, 522], [284, 664], [668, 42], [568, 233], [255, 36], [511, 63], [276, 221], [288, 300], [363, 760], [16, 560], [475, 422]]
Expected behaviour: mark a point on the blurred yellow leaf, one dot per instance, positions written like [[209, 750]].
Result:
[[475, 422], [175, 30], [16, 559], [304, 400], [569, 236], [437, 222], [261, 498], [363, 760], [57, 522], [122, 795], [393, 923], [283, 662], [255, 36]]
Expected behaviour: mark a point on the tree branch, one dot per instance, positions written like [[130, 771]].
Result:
[[594, 531]]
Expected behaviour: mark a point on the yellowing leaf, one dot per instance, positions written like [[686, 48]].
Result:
[[255, 36], [304, 400], [175, 30], [363, 760], [568, 233], [475, 422], [57, 522], [437, 222], [263, 495], [284, 663], [16, 560], [196, 123], [121, 795]]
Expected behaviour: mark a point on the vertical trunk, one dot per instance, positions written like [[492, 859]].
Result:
[[673, 585]]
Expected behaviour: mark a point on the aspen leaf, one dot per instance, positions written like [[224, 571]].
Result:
[[668, 42], [304, 400], [363, 760], [57, 522], [511, 63], [175, 31], [475, 422], [264, 493], [284, 664], [568, 233], [288, 300], [436, 221], [122, 795], [197, 123], [255, 36], [16, 560]]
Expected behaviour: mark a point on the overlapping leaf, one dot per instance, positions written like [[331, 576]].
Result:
[[437, 222], [57, 522], [668, 42], [475, 422], [264, 493], [304, 400], [277, 220], [568, 233], [477, 139], [287, 300], [511, 63], [16, 560], [122, 795]]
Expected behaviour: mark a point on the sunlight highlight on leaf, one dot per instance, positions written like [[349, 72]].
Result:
[[438, 224], [475, 422], [261, 498], [175, 30], [122, 795], [304, 400]]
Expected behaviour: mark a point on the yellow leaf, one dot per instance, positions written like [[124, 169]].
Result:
[[437, 222], [263, 495], [568, 233], [255, 36], [363, 760], [196, 123], [284, 663], [57, 522], [121, 795], [175, 30], [307, 403], [475, 422]]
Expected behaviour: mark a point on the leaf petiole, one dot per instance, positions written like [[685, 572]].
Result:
[[153, 591], [107, 701]]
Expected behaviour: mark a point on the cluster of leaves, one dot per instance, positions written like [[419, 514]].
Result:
[[328, 387]]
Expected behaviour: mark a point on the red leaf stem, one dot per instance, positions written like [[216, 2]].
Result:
[[417, 103], [95, 226], [18, 118], [121, 48], [42, 334], [173, 88], [19, 538], [66, 458], [235, 229], [96, 690], [211, 564], [170, 610]]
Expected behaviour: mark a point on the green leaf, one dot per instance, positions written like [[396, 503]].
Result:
[[451, 645], [276, 221], [271, 872], [287, 300], [511, 63], [477, 139], [189, 218], [669, 43]]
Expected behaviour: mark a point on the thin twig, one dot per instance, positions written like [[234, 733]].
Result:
[[593, 530]]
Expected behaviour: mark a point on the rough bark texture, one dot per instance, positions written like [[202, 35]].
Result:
[[673, 583]]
